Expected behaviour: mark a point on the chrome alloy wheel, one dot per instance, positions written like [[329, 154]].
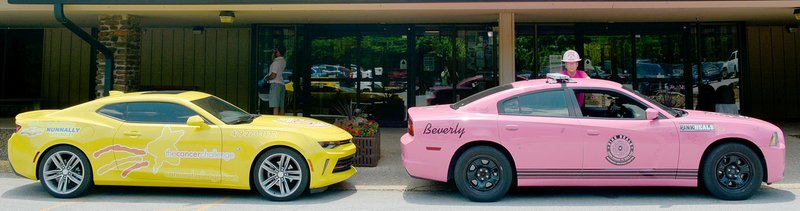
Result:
[[280, 175], [63, 172]]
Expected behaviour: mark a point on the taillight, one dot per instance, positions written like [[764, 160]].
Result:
[[17, 128], [410, 126]]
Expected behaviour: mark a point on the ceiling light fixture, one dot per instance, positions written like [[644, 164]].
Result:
[[227, 16]]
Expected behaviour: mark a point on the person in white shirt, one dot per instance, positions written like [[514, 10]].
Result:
[[277, 89]]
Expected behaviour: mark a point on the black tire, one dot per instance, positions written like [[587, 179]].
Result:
[[724, 74], [69, 182], [483, 174], [732, 172], [285, 175]]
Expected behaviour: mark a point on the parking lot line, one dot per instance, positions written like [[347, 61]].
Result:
[[59, 205], [200, 207]]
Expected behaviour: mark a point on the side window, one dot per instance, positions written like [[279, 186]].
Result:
[[547, 103], [157, 112], [610, 104], [116, 111]]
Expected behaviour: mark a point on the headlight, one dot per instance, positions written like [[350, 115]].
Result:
[[333, 144], [775, 140]]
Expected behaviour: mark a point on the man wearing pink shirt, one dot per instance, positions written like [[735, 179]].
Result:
[[571, 59]]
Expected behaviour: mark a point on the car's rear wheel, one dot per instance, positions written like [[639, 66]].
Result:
[[732, 172], [65, 172], [483, 174], [281, 174]]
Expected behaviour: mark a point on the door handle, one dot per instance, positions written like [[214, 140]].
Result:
[[512, 127], [593, 132], [132, 133]]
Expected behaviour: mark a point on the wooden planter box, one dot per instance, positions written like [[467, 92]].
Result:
[[368, 150]]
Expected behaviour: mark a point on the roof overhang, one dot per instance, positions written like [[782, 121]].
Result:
[[171, 13]]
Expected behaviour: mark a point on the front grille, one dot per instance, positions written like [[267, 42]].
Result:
[[344, 164]]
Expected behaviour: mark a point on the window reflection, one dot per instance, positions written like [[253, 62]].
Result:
[[454, 64]]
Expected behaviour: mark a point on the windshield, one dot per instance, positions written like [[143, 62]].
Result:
[[480, 95], [224, 111], [671, 111]]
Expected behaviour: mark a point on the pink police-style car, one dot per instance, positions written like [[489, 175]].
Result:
[[587, 132]]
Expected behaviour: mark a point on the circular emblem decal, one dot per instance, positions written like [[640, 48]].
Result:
[[620, 150]]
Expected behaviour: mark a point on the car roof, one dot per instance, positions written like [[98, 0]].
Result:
[[579, 83], [155, 95]]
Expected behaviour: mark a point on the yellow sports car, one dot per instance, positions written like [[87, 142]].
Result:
[[177, 139]]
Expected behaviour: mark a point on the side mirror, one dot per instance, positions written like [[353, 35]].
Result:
[[196, 121], [652, 114]]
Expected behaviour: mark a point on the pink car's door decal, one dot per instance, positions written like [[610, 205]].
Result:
[[620, 150]]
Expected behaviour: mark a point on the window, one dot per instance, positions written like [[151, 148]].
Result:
[[547, 103], [116, 111], [157, 112], [222, 110], [610, 104]]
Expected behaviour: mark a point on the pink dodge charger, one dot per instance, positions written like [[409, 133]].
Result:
[[587, 132]]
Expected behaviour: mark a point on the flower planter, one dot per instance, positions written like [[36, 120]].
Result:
[[368, 150]]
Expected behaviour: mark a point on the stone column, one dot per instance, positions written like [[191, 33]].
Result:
[[507, 47], [122, 34]]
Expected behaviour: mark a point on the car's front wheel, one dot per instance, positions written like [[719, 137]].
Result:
[[732, 172], [280, 174], [725, 74], [65, 172], [483, 174]]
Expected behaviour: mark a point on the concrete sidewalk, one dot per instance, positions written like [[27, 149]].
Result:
[[391, 175]]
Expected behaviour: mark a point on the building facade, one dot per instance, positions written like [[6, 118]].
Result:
[[385, 56]]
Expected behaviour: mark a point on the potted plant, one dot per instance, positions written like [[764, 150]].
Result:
[[366, 134]]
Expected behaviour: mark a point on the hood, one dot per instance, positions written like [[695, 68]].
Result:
[[313, 128], [705, 116]]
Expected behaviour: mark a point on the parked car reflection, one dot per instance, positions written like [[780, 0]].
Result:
[[464, 88], [731, 68], [711, 70], [331, 92], [330, 71]]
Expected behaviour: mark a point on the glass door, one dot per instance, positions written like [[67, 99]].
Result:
[[383, 76], [454, 63], [609, 57], [333, 67], [650, 60], [660, 65], [357, 68], [270, 37], [717, 83]]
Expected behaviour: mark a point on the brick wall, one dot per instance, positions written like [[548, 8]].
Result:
[[122, 34]]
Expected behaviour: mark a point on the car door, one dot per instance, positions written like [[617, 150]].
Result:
[[541, 132], [621, 143], [155, 143]]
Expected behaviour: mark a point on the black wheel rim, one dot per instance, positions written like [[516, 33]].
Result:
[[483, 174], [734, 171]]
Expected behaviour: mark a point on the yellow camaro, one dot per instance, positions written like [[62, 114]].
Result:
[[177, 139]]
